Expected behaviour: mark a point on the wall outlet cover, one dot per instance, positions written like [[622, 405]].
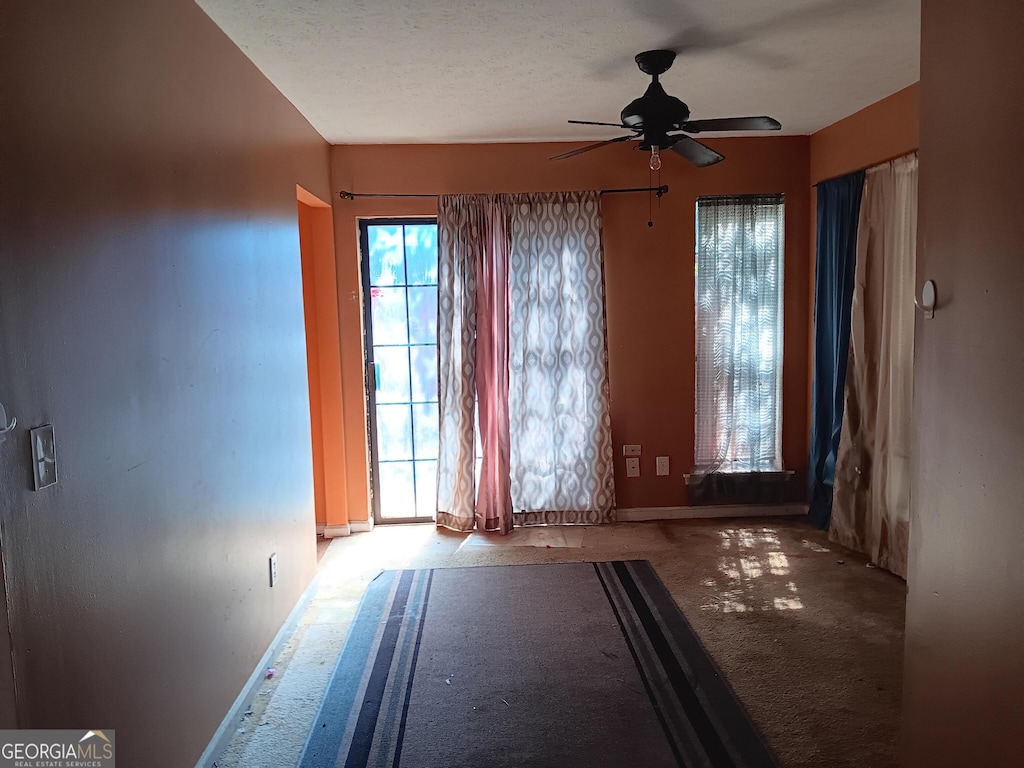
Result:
[[662, 465]]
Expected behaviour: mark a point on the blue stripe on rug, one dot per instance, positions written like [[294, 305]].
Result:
[[396, 761], [329, 726]]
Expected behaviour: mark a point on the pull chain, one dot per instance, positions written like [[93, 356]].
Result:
[[650, 196]]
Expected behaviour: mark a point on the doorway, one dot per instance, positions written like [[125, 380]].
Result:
[[323, 363], [399, 273]]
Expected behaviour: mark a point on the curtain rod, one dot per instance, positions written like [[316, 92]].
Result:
[[346, 195], [868, 168]]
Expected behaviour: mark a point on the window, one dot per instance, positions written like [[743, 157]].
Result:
[[739, 268], [400, 294]]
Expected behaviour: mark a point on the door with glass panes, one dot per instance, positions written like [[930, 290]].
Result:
[[399, 270]]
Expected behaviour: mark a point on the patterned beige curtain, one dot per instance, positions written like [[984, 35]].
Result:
[[561, 457], [460, 242], [871, 502], [544, 415]]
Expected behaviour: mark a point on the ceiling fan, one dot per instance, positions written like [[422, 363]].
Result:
[[661, 121]]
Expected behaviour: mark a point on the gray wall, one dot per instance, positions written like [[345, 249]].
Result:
[[964, 672], [151, 310]]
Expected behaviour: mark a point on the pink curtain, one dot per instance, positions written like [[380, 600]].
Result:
[[494, 501]]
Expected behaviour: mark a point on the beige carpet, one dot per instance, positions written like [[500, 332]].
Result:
[[810, 638]]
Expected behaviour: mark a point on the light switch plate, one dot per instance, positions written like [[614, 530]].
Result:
[[631, 450], [44, 456], [632, 467], [662, 464], [273, 569]]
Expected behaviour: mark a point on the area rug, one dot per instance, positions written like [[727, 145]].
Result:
[[574, 664]]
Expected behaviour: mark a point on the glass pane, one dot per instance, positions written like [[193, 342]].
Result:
[[425, 421], [423, 315], [386, 264], [387, 307], [397, 497], [421, 253], [393, 374], [394, 432], [426, 488], [424, 373]]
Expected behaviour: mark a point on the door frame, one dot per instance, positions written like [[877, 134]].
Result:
[[369, 371]]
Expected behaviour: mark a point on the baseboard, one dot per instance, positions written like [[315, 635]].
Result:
[[222, 736], [640, 514], [361, 526], [335, 531]]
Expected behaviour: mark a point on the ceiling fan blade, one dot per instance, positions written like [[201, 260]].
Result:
[[589, 147], [762, 123], [613, 125], [695, 35], [697, 153]]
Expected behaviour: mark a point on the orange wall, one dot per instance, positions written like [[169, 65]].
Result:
[[887, 129], [323, 354], [306, 215], [648, 272]]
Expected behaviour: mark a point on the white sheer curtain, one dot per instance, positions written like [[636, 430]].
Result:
[[739, 334], [871, 497], [561, 459]]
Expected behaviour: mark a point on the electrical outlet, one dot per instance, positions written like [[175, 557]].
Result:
[[273, 569], [632, 467], [631, 450], [662, 465]]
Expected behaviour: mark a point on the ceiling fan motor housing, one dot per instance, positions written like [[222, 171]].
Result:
[[655, 113]]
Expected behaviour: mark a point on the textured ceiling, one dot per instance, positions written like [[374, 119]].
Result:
[[439, 71]]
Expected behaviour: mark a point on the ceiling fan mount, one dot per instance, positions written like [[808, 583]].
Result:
[[661, 121], [655, 62]]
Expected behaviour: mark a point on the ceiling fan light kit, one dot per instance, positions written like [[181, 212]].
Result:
[[660, 121], [655, 164]]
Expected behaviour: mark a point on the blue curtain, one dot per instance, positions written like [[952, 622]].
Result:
[[838, 216]]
